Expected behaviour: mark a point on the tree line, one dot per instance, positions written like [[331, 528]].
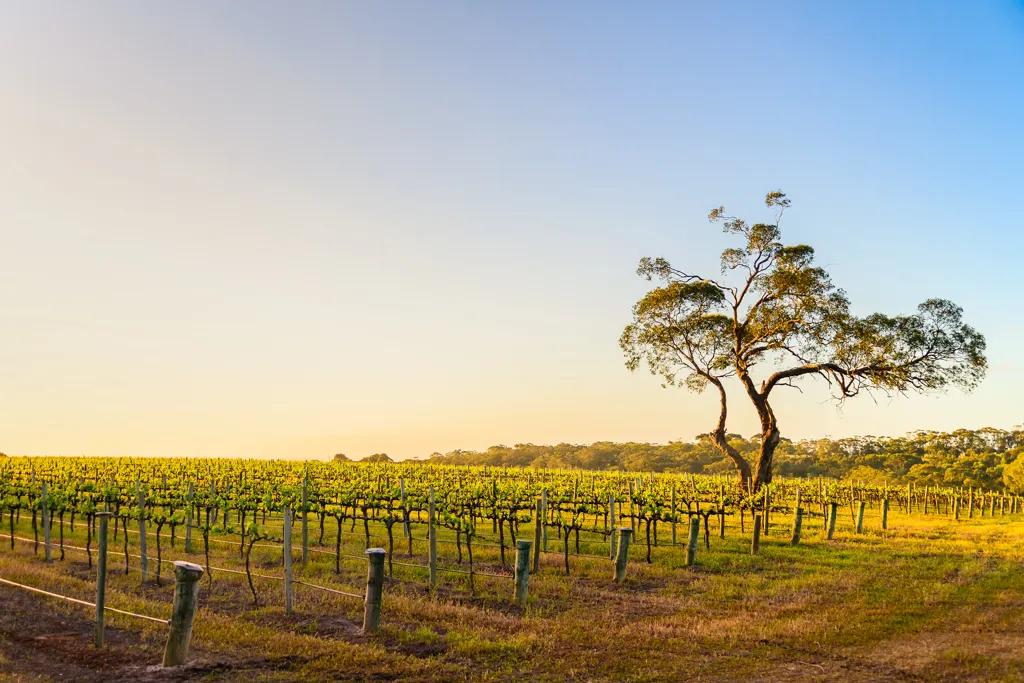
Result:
[[986, 458]]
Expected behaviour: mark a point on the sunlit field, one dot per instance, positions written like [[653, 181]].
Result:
[[929, 598]]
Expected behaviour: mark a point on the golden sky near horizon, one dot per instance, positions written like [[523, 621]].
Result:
[[294, 234]]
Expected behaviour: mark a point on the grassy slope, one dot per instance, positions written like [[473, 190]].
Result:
[[932, 599]]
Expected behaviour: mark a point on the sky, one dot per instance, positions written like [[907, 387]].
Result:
[[271, 229]]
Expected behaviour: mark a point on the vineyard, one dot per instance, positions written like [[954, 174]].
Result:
[[282, 549]]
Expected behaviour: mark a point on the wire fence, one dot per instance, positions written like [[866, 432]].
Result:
[[210, 567], [323, 551], [85, 603], [504, 574]]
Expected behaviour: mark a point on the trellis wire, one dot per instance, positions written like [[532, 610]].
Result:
[[85, 603]]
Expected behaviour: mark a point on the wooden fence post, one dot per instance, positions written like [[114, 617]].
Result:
[[755, 542], [691, 542], [832, 510], [286, 556], [405, 510], [143, 555], [522, 575], [101, 578], [432, 546], [544, 519], [374, 589], [622, 557], [632, 506], [885, 514], [673, 514], [611, 524], [721, 511], [186, 598], [47, 540], [188, 517], [305, 519], [860, 516], [538, 522], [798, 519]]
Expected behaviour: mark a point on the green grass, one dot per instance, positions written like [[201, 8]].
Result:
[[930, 599]]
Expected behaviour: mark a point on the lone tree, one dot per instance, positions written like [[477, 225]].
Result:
[[773, 319]]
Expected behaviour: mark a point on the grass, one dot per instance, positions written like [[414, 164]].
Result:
[[929, 599]]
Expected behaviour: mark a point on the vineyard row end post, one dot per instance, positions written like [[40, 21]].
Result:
[[622, 557], [101, 577], [286, 556], [522, 575], [186, 598], [374, 589]]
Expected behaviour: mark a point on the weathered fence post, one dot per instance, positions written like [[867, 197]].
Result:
[[536, 536], [755, 542], [833, 508], [143, 556], [286, 556], [543, 519], [611, 525], [632, 505], [432, 546], [721, 511], [885, 514], [522, 575], [798, 520], [622, 557], [860, 516], [305, 519], [673, 514], [691, 541], [190, 504], [186, 597], [405, 510], [47, 540], [101, 578], [374, 588]]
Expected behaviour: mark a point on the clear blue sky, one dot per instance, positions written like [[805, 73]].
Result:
[[292, 229]]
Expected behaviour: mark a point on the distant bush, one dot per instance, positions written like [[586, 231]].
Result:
[[341, 457], [1013, 475], [377, 457]]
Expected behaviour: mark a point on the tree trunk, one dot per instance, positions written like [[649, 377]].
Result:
[[765, 458], [769, 431], [721, 441]]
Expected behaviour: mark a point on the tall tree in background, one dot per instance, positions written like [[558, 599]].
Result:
[[773, 319]]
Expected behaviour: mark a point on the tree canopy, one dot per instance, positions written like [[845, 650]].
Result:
[[775, 318]]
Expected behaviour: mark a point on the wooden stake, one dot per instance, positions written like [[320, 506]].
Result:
[[186, 598]]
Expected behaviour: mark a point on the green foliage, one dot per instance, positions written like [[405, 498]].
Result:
[[1013, 474], [960, 458]]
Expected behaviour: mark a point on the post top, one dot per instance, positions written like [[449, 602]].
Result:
[[104, 513], [188, 566], [626, 528], [376, 551], [522, 542]]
